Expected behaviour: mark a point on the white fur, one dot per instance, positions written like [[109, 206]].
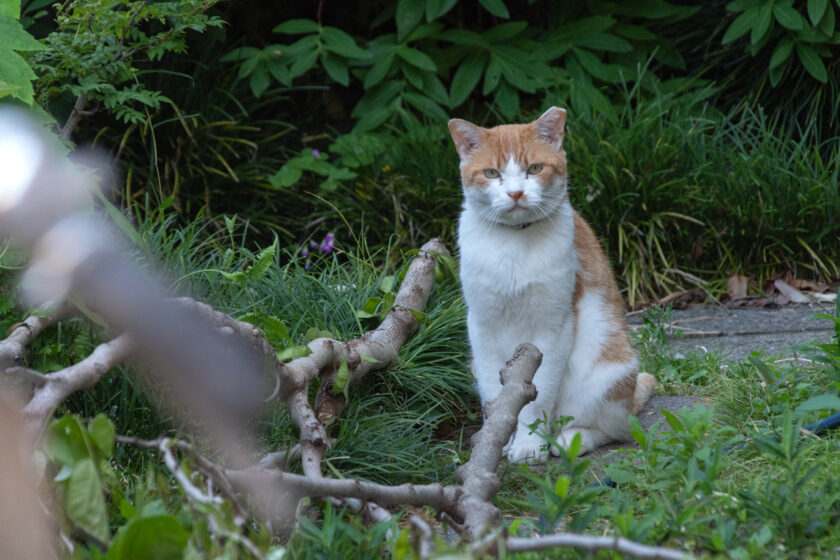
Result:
[[518, 285]]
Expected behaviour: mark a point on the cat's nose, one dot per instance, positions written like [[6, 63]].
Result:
[[516, 195]]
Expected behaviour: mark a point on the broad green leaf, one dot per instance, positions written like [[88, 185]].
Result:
[[10, 8], [419, 316], [339, 42], [379, 69], [14, 37], [341, 378], [369, 359], [160, 537], [408, 15], [423, 31], [672, 420], [782, 52], [788, 17], [495, 7], [816, 9], [604, 42], [313, 333], [65, 441], [275, 331], [812, 62], [336, 68], [507, 99], [776, 73], [127, 510], [762, 23], [102, 431], [561, 487], [296, 27], [820, 402], [634, 32], [286, 176], [828, 22], [436, 8], [492, 75], [574, 448], [259, 81], [466, 78], [416, 58], [293, 352], [84, 503], [375, 117], [434, 88], [741, 25], [303, 63]]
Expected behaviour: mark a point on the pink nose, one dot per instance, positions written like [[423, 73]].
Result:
[[516, 195]]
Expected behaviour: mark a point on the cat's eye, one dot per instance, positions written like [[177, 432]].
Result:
[[534, 168], [491, 173]]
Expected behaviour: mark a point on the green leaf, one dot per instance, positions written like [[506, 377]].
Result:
[[379, 70], [416, 58], [492, 75], [286, 176], [816, 9], [812, 62], [84, 503], [741, 25], [464, 37], [828, 22], [418, 315], [65, 441], [634, 32], [339, 42], [762, 23], [495, 7], [437, 8], [296, 27], [369, 359], [788, 17], [160, 537], [672, 420], [466, 78], [504, 31], [293, 352], [263, 262], [259, 81], [341, 378], [303, 63], [782, 52], [408, 15], [10, 8], [604, 42], [15, 37], [820, 402], [507, 98], [102, 431], [336, 68]]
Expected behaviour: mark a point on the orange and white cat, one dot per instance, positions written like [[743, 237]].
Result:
[[533, 271]]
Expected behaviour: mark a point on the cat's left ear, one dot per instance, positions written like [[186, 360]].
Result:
[[466, 135], [550, 126]]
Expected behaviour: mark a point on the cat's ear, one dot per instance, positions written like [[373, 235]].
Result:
[[550, 126], [466, 136]]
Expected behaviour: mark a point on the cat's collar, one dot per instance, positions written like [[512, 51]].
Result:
[[523, 225]]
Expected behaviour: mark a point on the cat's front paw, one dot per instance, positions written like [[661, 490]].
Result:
[[526, 449]]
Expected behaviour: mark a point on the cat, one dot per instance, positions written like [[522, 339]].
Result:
[[533, 271]]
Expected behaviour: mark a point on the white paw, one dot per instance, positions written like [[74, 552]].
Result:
[[565, 437], [526, 448]]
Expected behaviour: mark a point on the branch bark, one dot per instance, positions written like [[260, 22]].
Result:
[[61, 384]]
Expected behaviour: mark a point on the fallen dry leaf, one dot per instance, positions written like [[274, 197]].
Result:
[[736, 287], [790, 292]]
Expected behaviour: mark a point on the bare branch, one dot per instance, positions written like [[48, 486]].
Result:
[[592, 543], [478, 475], [75, 116], [63, 383], [22, 334]]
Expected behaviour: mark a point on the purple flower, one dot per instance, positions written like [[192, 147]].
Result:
[[316, 153], [327, 244], [313, 244], [305, 253]]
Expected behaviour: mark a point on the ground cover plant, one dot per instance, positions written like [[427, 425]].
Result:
[[284, 166]]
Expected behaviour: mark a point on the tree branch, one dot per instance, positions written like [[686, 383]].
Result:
[[61, 384], [592, 543], [75, 116]]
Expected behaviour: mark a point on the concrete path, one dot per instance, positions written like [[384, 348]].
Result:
[[738, 332]]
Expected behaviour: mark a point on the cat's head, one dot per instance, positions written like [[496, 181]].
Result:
[[516, 173]]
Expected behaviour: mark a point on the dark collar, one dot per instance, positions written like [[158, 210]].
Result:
[[526, 224]]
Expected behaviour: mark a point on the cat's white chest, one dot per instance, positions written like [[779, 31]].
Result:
[[507, 270]]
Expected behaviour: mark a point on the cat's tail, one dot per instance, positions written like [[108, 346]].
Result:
[[645, 386]]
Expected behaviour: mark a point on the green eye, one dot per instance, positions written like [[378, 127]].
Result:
[[491, 173], [534, 168]]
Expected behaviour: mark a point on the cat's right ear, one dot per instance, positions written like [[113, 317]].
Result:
[[466, 136]]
